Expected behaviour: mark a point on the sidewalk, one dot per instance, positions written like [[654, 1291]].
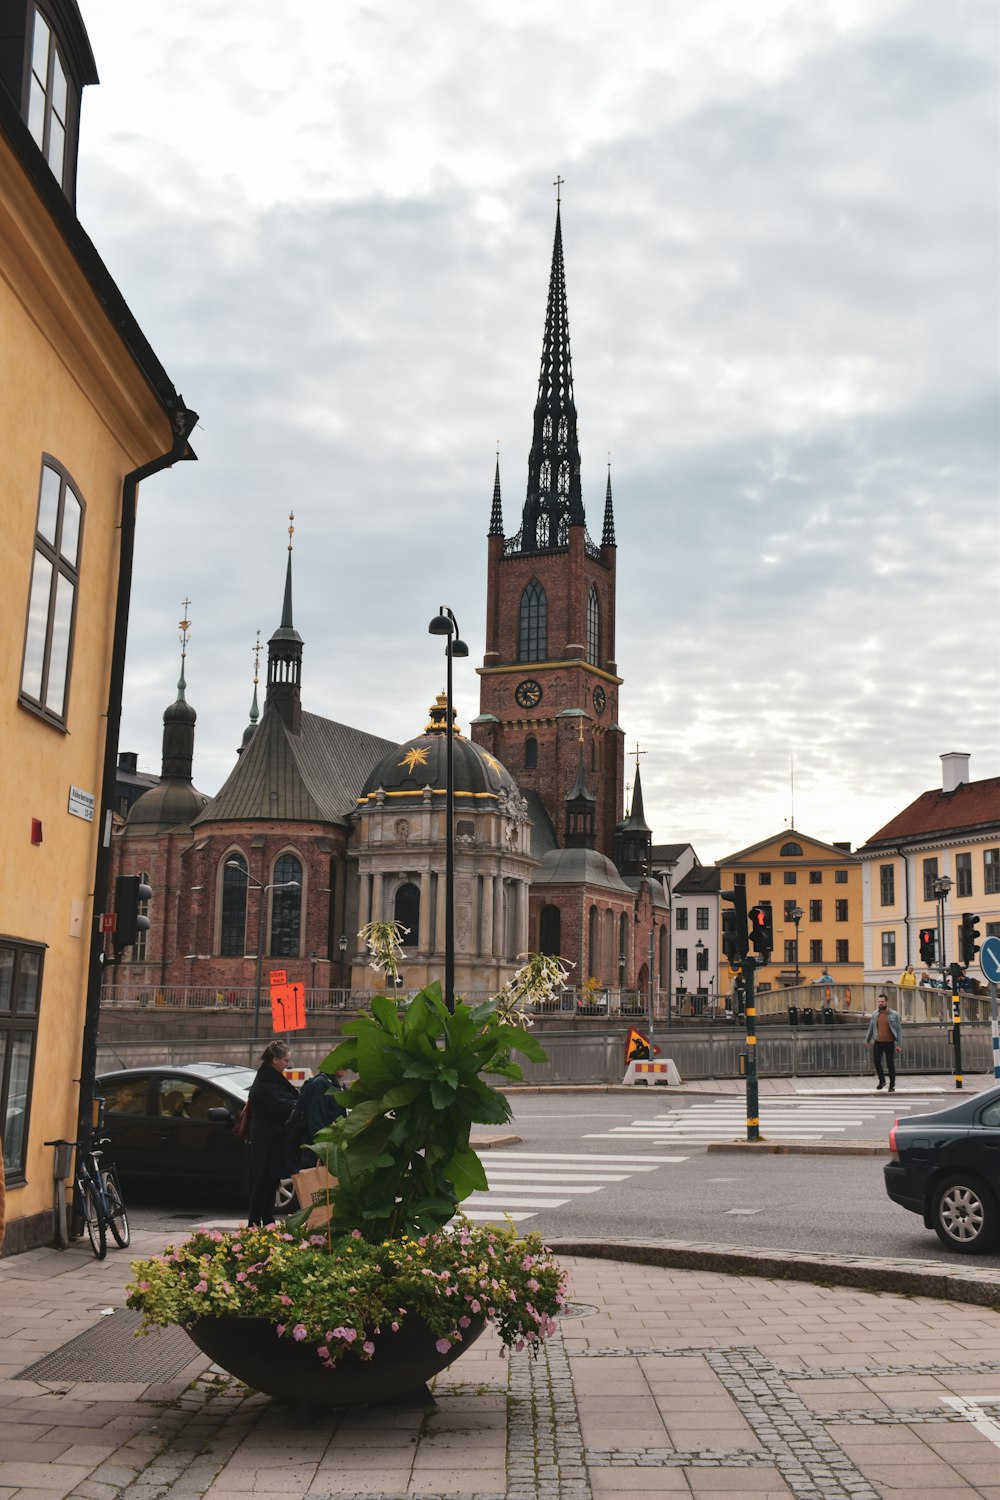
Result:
[[661, 1382]]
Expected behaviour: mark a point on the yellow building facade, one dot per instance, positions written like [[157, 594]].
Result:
[[793, 873], [84, 404]]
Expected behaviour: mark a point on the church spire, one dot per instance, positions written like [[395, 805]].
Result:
[[496, 514], [608, 534], [553, 502], [254, 710], [284, 655]]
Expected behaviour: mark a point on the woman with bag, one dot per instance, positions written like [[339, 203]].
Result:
[[272, 1099]]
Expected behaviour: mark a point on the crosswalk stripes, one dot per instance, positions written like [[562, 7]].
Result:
[[522, 1182], [721, 1119]]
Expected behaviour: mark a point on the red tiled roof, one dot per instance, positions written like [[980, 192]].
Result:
[[974, 804]]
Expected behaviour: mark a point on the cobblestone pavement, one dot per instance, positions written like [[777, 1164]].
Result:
[[662, 1381]]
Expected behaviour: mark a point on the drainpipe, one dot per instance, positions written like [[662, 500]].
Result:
[[183, 422]]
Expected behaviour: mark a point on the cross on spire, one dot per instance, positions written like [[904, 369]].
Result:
[[637, 752], [558, 187]]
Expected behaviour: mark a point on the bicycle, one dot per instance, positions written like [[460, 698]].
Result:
[[97, 1195]]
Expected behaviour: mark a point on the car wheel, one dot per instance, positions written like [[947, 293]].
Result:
[[285, 1201], [964, 1214]]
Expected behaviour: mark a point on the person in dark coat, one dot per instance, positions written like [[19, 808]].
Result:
[[315, 1109], [272, 1099]]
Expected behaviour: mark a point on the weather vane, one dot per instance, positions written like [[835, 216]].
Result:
[[256, 661], [291, 528], [184, 626]]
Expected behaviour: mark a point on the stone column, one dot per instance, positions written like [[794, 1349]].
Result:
[[424, 935], [378, 915], [486, 935], [364, 899], [498, 916]]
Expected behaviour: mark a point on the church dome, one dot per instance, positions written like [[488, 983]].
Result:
[[171, 804], [403, 774]]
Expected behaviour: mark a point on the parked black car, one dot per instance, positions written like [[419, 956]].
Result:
[[171, 1131], [946, 1166]]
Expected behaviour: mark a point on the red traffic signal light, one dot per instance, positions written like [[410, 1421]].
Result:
[[761, 929], [928, 944]]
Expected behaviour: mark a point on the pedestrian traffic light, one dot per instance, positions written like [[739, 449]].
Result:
[[928, 944], [969, 937], [131, 892], [734, 925], [761, 930]]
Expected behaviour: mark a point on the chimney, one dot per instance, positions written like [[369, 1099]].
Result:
[[954, 770]]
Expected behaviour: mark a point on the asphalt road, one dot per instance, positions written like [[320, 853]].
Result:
[[638, 1167]]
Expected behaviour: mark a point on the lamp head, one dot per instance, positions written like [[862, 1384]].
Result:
[[459, 648], [440, 625]]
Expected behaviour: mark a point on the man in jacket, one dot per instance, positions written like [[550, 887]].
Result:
[[885, 1034]]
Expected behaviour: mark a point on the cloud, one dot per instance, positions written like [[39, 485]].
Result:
[[781, 243]]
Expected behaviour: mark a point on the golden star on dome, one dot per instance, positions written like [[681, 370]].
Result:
[[493, 764], [413, 758]]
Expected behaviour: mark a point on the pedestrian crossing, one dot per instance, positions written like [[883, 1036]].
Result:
[[523, 1182], [780, 1119]]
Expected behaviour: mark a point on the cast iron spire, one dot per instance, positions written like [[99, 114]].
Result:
[[608, 534], [496, 515], [284, 655], [553, 502]]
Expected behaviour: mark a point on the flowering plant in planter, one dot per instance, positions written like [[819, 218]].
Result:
[[339, 1296], [391, 1248]]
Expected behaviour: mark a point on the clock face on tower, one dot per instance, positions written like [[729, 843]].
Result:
[[528, 693], [600, 701]]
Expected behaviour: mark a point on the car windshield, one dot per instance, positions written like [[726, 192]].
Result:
[[238, 1079]]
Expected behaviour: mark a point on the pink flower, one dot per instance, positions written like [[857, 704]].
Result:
[[355, 1234], [443, 1345], [299, 1332], [395, 1327], [323, 1352], [464, 1322], [476, 1305], [368, 1347], [285, 1301], [202, 1286], [279, 1329]]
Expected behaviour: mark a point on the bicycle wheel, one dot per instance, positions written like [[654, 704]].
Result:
[[93, 1217], [117, 1217]]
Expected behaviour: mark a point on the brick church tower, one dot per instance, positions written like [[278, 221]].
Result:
[[549, 682]]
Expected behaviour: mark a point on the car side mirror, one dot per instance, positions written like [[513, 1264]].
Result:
[[220, 1115]]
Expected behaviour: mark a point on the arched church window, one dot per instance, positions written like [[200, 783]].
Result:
[[531, 753], [406, 911], [233, 926], [286, 908], [549, 931], [545, 476], [534, 623], [594, 627]]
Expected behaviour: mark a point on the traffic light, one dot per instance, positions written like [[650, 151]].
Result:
[[928, 944], [761, 930], [734, 925], [130, 893], [969, 937]]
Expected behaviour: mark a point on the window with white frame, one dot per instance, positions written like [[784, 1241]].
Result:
[[963, 874], [55, 577], [991, 871], [888, 950], [887, 884]]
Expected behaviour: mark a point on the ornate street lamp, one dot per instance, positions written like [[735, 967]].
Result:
[[444, 623], [285, 885]]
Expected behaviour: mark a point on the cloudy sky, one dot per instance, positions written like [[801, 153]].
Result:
[[334, 224]]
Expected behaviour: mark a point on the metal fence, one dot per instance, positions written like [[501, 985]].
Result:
[[596, 1054]]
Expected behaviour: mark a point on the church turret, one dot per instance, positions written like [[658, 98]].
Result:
[[178, 723], [254, 710], [496, 514], [284, 656], [608, 533], [581, 805], [634, 837]]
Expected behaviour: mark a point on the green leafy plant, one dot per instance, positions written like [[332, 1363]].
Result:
[[402, 1153], [339, 1295]]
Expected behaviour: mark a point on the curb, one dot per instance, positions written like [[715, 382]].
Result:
[[801, 1148], [492, 1142], [949, 1283]]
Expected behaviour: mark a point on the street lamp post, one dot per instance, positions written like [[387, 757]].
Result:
[[285, 885], [797, 915], [444, 623], [941, 888], [701, 966]]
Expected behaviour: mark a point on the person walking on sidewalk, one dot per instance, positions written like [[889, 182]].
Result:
[[885, 1034]]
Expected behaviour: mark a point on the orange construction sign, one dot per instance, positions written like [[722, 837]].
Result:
[[288, 1006], [637, 1047]]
